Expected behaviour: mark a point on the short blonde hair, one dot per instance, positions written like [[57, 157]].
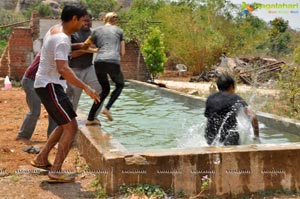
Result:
[[111, 17]]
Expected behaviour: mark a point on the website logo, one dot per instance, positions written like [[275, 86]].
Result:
[[281, 8], [246, 8]]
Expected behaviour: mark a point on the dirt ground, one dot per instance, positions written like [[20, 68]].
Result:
[[18, 179]]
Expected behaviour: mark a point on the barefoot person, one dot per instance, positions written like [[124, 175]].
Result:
[[50, 82], [109, 40], [221, 111], [81, 62]]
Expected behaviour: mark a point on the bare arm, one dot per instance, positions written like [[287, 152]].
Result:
[[76, 46], [254, 122], [122, 48], [67, 73], [79, 49], [82, 45]]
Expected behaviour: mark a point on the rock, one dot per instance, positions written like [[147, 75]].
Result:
[[8, 4], [193, 92], [136, 159]]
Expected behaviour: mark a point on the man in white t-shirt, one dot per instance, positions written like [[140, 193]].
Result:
[[50, 85]]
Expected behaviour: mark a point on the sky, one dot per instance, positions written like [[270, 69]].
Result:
[[290, 14]]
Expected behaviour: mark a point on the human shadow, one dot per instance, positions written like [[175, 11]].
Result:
[[71, 190]]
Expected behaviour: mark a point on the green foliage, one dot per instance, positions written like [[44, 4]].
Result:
[[279, 44], [149, 190], [2, 46], [7, 17], [99, 192], [289, 82], [96, 7], [190, 35], [247, 36], [136, 25], [5, 33], [96, 183], [279, 39], [181, 194], [43, 10], [205, 183], [154, 52], [278, 25], [297, 55], [139, 19], [197, 32]]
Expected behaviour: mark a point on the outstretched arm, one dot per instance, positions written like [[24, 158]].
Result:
[[254, 122], [68, 74]]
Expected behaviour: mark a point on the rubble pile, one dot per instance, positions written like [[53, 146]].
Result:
[[251, 71]]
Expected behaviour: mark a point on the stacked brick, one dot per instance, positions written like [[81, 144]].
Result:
[[19, 51], [133, 64]]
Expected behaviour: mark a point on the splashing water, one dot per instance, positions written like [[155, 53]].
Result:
[[192, 135], [244, 128], [144, 119]]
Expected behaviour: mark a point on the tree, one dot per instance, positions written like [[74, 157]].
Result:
[[154, 52], [43, 9], [278, 37], [289, 82], [278, 26], [139, 18], [190, 35], [95, 7]]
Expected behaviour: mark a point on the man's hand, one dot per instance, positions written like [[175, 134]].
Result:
[[85, 45], [92, 93]]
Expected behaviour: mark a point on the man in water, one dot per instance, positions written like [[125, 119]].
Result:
[[221, 111]]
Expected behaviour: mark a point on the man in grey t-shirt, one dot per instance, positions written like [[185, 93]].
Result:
[[81, 63], [109, 40]]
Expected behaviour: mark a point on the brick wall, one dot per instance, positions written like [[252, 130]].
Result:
[[19, 51], [133, 64]]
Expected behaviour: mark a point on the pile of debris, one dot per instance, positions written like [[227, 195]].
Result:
[[251, 71]]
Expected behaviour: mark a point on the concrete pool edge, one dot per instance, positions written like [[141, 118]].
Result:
[[233, 170]]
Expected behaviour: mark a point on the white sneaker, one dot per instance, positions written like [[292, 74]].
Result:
[[107, 113], [95, 121]]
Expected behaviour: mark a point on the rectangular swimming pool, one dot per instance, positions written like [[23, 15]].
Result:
[[149, 119]]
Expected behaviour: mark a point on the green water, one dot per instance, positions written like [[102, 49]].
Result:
[[144, 119]]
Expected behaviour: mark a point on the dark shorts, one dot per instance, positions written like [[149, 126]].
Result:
[[57, 103]]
